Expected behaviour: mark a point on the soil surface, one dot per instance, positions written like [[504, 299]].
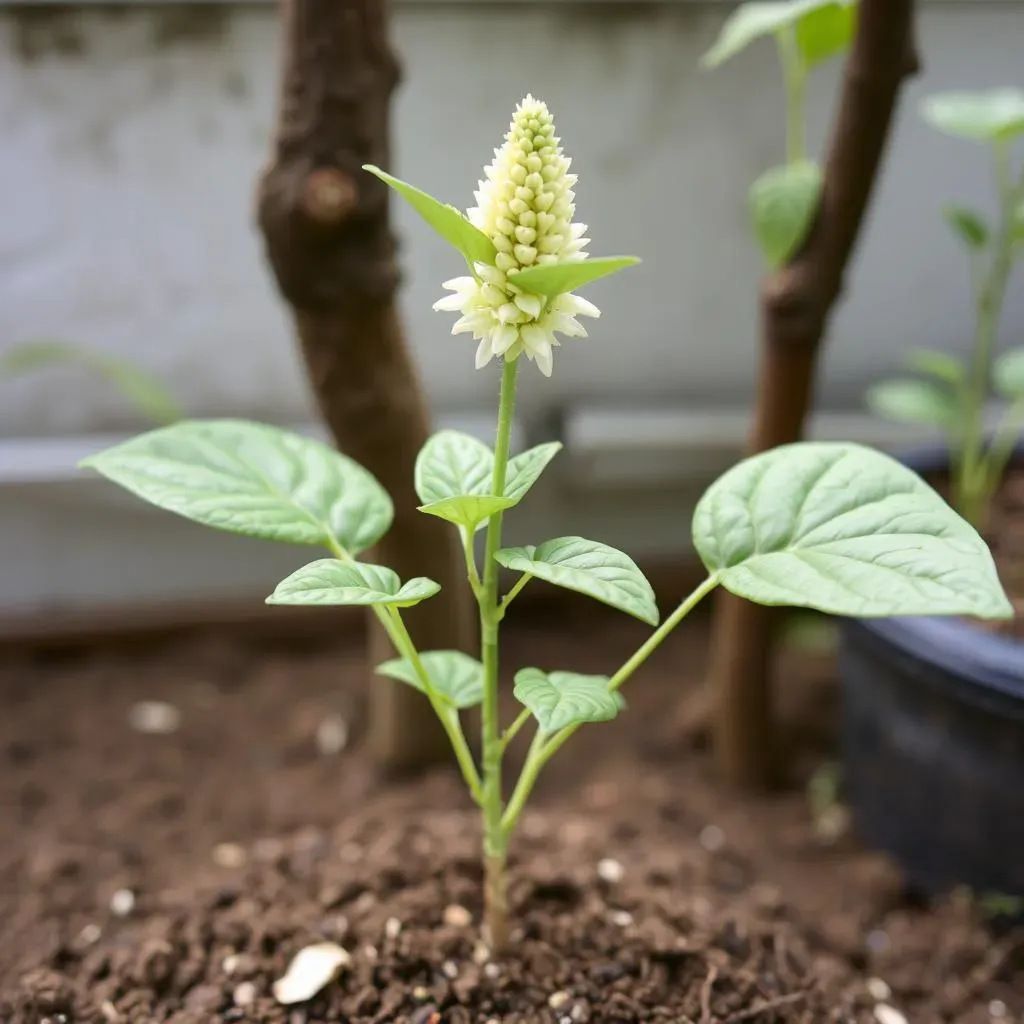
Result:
[[1004, 533], [171, 874]]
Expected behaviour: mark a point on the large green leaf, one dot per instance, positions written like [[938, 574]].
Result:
[[557, 278], [448, 222], [846, 530], [453, 465], [253, 479], [752, 21], [560, 699], [331, 581], [1008, 374], [455, 676], [783, 203], [937, 364], [588, 567], [906, 400], [969, 226], [825, 31], [982, 116], [469, 510], [144, 392]]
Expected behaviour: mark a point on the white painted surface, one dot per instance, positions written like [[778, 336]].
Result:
[[127, 170]]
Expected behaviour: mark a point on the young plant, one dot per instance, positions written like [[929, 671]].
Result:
[[784, 200], [836, 527], [952, 394]]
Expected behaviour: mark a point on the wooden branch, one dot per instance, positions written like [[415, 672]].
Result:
[[329, 243], [796, 303]]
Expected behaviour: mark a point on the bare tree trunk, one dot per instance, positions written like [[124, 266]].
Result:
[[328, 240], [795, 306]]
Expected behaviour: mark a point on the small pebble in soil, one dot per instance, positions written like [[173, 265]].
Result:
[[332, 735], [610, 870], [886, 1014], [230, 963], [310, 970], [229, 855], [90, 934], [558, 999], [392, 928], [244, 994], [419, 993], [997, 1009], [370, 952], [878, 990], [450, 969], [877, 941], [122, 903], [622, 918], [154, 717], [109, 1011], [457, 917], [712, 838], [481, 954], [492, 970]]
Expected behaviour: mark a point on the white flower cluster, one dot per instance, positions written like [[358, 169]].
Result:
[[525, 206]]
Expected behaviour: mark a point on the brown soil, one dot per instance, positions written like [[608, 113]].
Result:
[[1004, 534], [727, 910]]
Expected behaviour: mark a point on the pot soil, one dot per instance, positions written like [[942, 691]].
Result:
[[241, 838], [933, 735]]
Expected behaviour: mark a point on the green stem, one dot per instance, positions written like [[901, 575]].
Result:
[[794, 76], [511, 595], [542, 751], [974, 481], [513, 730], [496, 906], [471, 570], [448, 715]]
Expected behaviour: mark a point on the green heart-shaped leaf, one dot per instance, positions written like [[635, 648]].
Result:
[[468, 510], [455, 676], [331, 581], [912, 401], [846, 530], [1008, 374], [937, 364], [452, 463], [557, 278], [783, 203], [525, 469], [980, 116], [560, 699], [252, 479], [588, 567], [446, 221], [969, 226]]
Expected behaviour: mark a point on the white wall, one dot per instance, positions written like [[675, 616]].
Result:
[[130, 142]]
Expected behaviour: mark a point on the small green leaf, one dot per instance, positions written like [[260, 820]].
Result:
[[752, 21], [454, 676], [912, 401], [783, 203], [253, 479], [468, 510], [969, 226], [846, 530], [826, 31], [560, 699], [148, 395], [937, 364], [452, 463], [525, 469], [558, 278], [448, 222], [981, 116], [331, 581], [1008, 374], [588, 567]]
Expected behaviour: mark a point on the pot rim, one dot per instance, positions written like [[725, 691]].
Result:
[[954, 644]]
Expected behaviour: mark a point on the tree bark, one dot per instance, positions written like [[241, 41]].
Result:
[[329, 243], [796, 303]]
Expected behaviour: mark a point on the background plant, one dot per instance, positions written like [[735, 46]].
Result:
[[953, 394], [834, 527]]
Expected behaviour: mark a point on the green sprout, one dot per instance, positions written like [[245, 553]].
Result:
[[952, 395], [834, 527]]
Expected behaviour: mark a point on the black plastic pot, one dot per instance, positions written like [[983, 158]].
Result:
[[933, 745]]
